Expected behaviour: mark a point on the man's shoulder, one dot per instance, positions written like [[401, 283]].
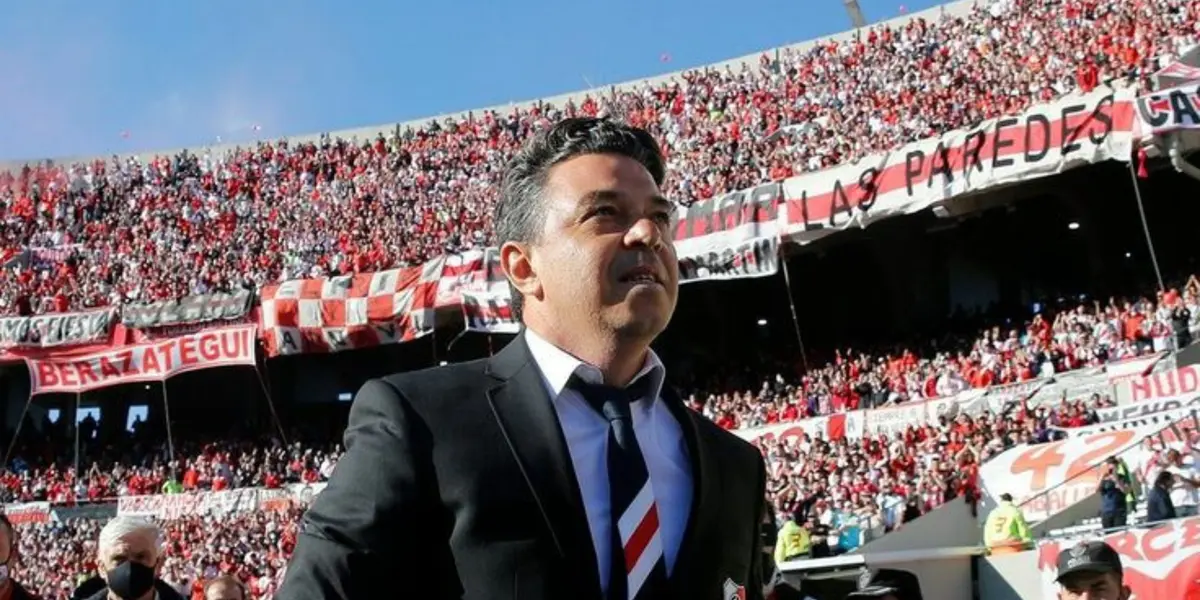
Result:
[[728, 443], [445, 379]]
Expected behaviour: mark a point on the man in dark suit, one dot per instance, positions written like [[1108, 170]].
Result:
[[562, 467]]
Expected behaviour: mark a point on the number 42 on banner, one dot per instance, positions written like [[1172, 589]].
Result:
[[1043, 460]]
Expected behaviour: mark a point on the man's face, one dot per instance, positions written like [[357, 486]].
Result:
[[604, 261], [1092, 586], [138, 547]]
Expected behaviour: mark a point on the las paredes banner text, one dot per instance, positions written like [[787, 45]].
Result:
[[737, 235], [1046, 140], [154, 361], [1160, 563]]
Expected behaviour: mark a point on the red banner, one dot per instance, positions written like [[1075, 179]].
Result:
[[153, 361]]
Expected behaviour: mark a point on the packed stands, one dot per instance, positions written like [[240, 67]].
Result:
[[111, 232], [128, 469], [1087, 335], [340, 206]]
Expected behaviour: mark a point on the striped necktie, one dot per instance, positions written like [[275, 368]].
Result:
[[638, 569]]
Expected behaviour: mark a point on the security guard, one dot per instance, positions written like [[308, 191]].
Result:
[[1005, 525], [793, 541]]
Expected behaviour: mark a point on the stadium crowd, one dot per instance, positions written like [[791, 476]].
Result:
[[124, 468], [131, 230], [1084, 335]]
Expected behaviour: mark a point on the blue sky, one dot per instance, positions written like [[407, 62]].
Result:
[[77, 75]]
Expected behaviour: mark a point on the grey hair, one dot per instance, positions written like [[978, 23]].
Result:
[[123, 526], [519, 212]]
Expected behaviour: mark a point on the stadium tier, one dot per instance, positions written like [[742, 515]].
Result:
[[926, 285]]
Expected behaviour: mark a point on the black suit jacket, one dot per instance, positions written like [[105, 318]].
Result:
[[165, 592], [457, 483]]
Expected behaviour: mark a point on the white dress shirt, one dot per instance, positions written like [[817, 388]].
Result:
[[658, 433]]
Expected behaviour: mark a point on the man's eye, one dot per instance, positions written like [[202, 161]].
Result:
[[604, 211], [662, 218]]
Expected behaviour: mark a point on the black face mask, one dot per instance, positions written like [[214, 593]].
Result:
[[131, 580]]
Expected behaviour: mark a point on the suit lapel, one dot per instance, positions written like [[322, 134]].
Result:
[[706, 485], [526, 414]]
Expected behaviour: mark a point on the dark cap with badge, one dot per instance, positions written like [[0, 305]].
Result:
[[1088, 557], [888, 582]]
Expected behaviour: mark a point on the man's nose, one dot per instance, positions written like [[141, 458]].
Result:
[[644, 232]]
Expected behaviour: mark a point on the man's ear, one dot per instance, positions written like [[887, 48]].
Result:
[[517, 264]]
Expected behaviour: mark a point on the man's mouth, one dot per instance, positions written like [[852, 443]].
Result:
[[641, 275]]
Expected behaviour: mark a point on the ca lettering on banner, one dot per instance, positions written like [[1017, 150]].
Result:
[[1170, 110]]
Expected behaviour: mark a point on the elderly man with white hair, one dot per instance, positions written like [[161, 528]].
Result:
[[129, 555]]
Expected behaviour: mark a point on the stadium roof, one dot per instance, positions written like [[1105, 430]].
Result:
[[959, 8]]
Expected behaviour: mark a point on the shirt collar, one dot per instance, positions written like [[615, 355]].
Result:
[[557, 366]]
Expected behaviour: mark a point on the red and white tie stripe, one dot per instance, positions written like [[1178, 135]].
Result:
[[640, 539]]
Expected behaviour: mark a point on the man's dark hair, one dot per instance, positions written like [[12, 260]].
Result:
[[519, 211], [1163, 479]]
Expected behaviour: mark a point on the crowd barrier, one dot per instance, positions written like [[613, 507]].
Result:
[[1113, 381], [220, 503]]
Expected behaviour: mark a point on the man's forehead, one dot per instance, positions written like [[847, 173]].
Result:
[[621, 195], [1084, 579], [132, 543], [590, 172]]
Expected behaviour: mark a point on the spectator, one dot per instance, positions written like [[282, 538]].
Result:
[[129, 555], [1184, 494], [1113, 487], [1158, 502]]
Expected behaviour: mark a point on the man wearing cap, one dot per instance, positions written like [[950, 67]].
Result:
[[888, 584], [1091, 570]]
